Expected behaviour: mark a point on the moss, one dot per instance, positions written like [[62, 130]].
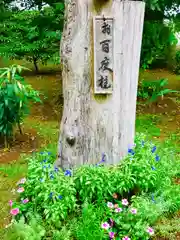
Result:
[[99, 4], [101, 98]]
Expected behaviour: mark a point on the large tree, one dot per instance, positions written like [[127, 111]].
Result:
[[32, 35], [96, 124]]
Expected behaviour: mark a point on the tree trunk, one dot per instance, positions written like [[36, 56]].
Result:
[[93, 124], [35, 65]]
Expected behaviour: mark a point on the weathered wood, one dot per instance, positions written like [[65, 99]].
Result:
[[103, 54], [96, 124]]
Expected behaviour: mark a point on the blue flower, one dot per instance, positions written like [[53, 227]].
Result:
[[44, 166], [56, 169], [103, 157], [60, 197], [67, 173], [143, 143], [157, 158], [41, 153], [51, 194], [49, 166], [44, 160], [131, 151], [49, 153], [152, 197], [51, 176], [153, 149], [153, 168]]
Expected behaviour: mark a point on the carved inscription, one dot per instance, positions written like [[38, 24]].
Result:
[[103, 54]]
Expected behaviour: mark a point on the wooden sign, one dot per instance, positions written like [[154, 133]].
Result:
[[103, 54]]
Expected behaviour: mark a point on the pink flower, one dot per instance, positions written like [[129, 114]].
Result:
[[25, 200], [111, 235], [134, 211], [110, 205], [14, 211], [117, 210], [105, 225], [20, 190], [150, 231], [126, 238], [10, 203], [21, 181], [125, 202]]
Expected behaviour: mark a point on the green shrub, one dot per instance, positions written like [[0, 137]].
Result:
[[15, 97], [151, 90], [80, 200]]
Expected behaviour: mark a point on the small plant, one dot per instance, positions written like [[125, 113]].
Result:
[[126, 222], [151, 90], [34, 230], [15, 97]]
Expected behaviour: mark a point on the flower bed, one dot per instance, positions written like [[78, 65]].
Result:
[[97, 201]]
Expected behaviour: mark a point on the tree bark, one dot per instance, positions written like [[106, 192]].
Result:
[[35, 65], [93, 125]]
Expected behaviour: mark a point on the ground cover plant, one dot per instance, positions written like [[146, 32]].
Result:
[[126, 200]]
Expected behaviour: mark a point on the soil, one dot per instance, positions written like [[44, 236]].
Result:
[[25, 143]]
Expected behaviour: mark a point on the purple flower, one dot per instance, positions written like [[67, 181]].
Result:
[[134, 211], [111, 222], [68, 173], [118, 210], [25, 201], [157, 158], [150, 231], [111, 235], [125, 202], [105, 226], [153, 149], [110, 205]]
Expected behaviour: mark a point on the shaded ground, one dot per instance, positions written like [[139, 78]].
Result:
[[160, 121]]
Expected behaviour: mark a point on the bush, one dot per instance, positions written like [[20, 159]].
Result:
[[98, 202], [151, 90], [15, 97]]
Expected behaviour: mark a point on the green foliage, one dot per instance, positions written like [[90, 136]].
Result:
[[78, 201], [50, 192], [87, 226], [168, 228], [177, 67], [32, 35], [15, 97], [22, 231], [151, 90], [157, 38]]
